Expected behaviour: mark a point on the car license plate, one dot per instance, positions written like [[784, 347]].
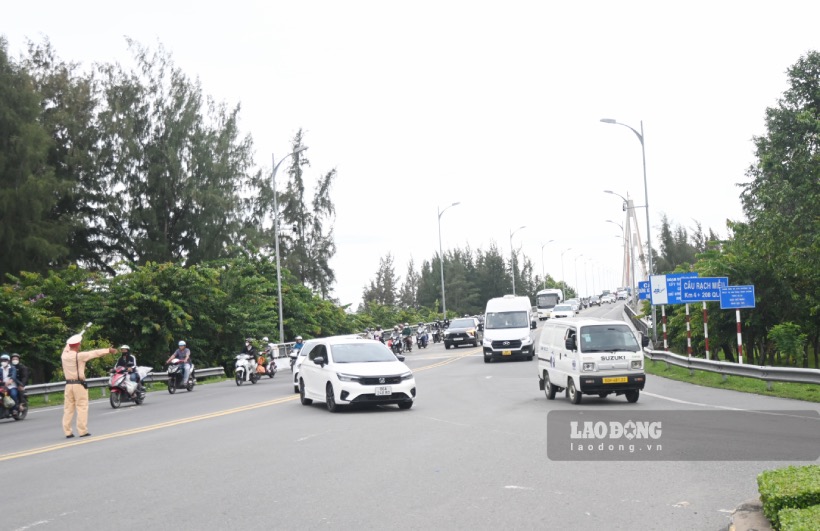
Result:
[[506, 352], [458, 338], [384, 390], [620, 379]]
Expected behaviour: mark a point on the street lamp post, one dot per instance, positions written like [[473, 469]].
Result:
[[564, 278], [628, 248], [441, 257], [512, 255], [544, 275], [276, 237], [646, 201], [577, 287]]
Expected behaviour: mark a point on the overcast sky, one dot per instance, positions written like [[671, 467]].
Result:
[[493, 104]]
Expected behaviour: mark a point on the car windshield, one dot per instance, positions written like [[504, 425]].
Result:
[[608, 338], [496, 320], [563, 308], [462, 323], [364, 352]]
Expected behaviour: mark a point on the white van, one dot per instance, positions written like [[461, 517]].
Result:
[[588, 356], [507, 323]]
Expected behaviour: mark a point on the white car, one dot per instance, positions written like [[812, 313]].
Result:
[[562, 310], [344, 370], [608, 298]]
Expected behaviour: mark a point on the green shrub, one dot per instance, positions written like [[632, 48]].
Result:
[[790, 487], [800, 519]]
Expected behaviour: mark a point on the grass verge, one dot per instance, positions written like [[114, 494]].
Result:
[[807, 392], [95, 393]]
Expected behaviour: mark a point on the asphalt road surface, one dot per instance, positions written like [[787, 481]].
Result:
[[470, 454]]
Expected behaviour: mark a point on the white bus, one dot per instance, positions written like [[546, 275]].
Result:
[[545, 300]]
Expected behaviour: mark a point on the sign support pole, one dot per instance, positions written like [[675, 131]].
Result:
[[688, 333], [665, 342], [739, 339], [706, 329]]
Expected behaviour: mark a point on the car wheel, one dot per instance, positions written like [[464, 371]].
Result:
[[632, 396], [549, 389], [330, 399], [447, 345], [572, 393], [302, 399], [407, 404]]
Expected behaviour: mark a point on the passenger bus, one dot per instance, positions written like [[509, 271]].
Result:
[[546, 299]]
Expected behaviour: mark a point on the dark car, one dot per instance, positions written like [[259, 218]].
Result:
[[464, 331], [594, 301]]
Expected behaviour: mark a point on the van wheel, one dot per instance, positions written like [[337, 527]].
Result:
[[549, 389], [572, 393], [486, 359], [632, 396]]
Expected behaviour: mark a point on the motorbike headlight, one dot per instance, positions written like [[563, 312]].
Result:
[[407, 376], [637, 364], [589, 367], [347, 377]]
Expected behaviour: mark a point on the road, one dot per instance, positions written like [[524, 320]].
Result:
[[470, 454]]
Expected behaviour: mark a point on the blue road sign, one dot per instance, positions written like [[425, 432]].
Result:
[[732, 297], [643, 290], [702, 289], [674, 283]]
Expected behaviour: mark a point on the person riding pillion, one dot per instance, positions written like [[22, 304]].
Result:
[[23, 372], [8, 376], [182, 353]]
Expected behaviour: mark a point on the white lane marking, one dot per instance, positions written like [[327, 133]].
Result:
[[516, 487], [34, 524], [449, 422], [728, 408]]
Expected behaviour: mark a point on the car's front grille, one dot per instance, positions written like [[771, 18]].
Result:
[[380, 380], [507, 345], [380, 398]]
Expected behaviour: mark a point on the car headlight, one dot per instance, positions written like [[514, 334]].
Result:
[[471, 333], [407, 376], [347, 377], [526, 340], [487, 342], [637, 364], [589, 367]]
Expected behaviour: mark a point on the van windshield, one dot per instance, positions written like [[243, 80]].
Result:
[[496, 320], [608, 338]]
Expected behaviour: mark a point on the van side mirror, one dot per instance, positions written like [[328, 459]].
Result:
[[570, 343], [644, 340]]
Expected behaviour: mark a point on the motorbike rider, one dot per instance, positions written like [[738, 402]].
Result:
[[23, 372], [183, 353], [8, 376], [407, 336], [129, 362], [378, 334], [269, 351]]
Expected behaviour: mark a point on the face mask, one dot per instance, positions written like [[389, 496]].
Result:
[[15, 362], [5, 364]]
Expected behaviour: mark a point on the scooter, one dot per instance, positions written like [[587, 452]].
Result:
[[266, 366], [396, 344], [175, 374], [422, 337], [408, 343], [122, 389], [293, 354], [245, 369], [16, 413]]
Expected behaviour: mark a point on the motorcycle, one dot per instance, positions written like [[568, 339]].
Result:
[[396, 344], [437, 334], [408, 343], [266, 366], [175, 374], [422, 337], [245, 369], [122, 389], [16, 413], [293, 354]]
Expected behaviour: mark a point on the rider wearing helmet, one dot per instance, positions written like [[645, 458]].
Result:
[[183, 353], [129, 362], [249, 349], [23, 372], [298, 344], [8, 376]]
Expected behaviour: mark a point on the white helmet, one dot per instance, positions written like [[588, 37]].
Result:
[[265, 339], [125, 347]]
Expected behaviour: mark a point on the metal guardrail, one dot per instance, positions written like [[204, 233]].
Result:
[[767, 374], [58, 387]]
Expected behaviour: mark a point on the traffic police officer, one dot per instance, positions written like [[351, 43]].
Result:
[[76, 391]]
